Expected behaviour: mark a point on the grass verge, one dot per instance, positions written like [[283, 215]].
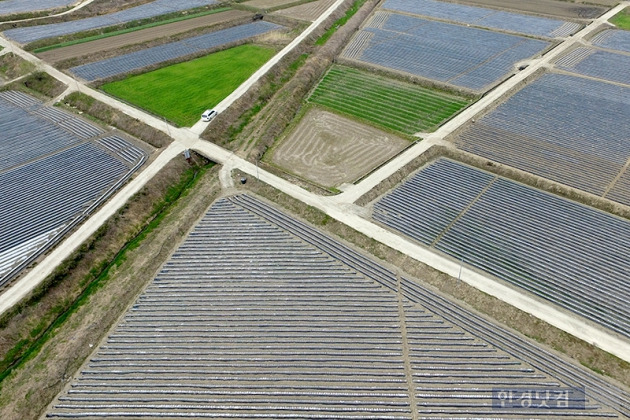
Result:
[[340, 22], [127, 30], [622, 19], [111, 116], [83, 298], [12, 66], [39, 83], [181, 92]]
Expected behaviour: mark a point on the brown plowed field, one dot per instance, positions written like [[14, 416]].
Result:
[[565, 9], [136, 37], [309, 11], [331, 150], [268, 4]]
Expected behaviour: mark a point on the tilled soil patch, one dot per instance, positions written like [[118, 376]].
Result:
[[137, 37], [564, 9]]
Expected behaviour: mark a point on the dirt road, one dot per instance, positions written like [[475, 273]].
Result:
[[136, 37]]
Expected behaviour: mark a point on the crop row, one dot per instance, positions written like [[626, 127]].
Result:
[[615, 39], [397, 106], [9, 7], [41, 197], [51, 178], [137, 60], [487, 18], [596, 63], [466, 57], [31, 130], [562, 127], [145, 11], [561, 251], [258, 315]]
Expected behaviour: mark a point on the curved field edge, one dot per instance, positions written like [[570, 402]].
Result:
[[459, 292], [181, 92], [397, 106], [50, 333]]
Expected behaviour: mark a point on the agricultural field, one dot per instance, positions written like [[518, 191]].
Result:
[[193, 86], [383, 102], [463, 57], [331, 150], [561, 251], [306, 328], [145, 11], [614, 39], [10, 7], [597, 63], [137, 60], [572, 135], [55, 169], [308, 11], [138, 36], [590, 9], [269, 4], [486, 18]]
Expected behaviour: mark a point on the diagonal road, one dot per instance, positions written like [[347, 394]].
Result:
[[339, 207]]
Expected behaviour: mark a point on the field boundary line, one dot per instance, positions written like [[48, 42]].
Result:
[[612, 184], [463, 212]]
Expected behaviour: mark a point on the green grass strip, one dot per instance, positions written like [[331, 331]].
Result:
[[128, 30], [340, 22], [397, 106], [188, 181], [181, 92]]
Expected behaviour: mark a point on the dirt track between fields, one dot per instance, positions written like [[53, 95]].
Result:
[[136, 37]]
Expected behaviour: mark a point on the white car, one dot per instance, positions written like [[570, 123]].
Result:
[[208, 115]]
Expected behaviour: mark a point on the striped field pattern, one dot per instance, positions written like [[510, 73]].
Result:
[[144, 11], [562, 127], [258, 315], [614, 39], [593, 62], [563, 252], [162, 53], [401, 107], [8, 7], [464, 57], [486, 18], [57, 169]]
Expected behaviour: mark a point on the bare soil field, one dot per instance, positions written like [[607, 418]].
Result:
[[268, 4], [564, 9], [330, 150], [309, 11], [137, 37]]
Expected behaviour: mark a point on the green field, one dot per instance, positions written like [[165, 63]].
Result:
[[181, 92], [622, 19], [394, 105]]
